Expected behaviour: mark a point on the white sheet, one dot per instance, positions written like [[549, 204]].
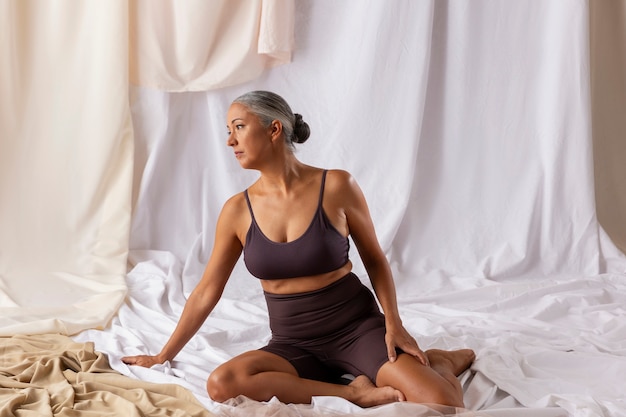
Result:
[[469, 129], [554, 345]]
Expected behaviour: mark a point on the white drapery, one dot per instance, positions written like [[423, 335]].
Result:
[[469, 136], [469, 128]]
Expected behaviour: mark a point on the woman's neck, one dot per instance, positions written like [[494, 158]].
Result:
[[282, 177]]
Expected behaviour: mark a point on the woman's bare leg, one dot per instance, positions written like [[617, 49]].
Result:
[[437, 384], [260, 375]]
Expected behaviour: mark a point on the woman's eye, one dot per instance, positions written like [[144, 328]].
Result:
[[238, 127]]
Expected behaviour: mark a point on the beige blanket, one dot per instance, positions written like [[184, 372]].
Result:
[[51, 375]]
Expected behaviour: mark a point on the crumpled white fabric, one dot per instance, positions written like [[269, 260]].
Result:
[[548, 345]]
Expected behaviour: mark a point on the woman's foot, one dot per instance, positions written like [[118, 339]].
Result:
[[366, 394], [456, 361]]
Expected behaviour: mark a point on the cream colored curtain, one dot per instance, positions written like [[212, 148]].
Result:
[[198, 45], [66, 164], [66, 136]]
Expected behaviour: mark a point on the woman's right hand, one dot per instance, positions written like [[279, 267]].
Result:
[[146, 361]]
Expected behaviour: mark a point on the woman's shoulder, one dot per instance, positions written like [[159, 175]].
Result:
[[235, 207], [341, 188], [235, 203], [339, 179], [235, 217]]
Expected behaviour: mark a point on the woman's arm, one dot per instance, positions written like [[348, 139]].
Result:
[[361, 228], [226, 251]]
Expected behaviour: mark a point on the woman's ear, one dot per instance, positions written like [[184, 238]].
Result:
[[276, 128]]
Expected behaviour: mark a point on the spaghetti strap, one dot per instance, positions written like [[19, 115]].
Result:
[[245, 193], [319, 203]]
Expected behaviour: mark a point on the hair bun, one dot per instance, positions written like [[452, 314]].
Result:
[[301, 129]]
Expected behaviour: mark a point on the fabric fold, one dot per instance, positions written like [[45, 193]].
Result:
[[51, 375], [66, 155], [197, 46]]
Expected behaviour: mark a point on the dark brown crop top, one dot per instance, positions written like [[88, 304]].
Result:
[[322, 248]]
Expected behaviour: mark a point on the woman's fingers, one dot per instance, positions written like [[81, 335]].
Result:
[[408, 344], [140, 360], [391, 352]]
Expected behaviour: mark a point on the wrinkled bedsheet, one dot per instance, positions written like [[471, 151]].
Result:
[[547, 348]]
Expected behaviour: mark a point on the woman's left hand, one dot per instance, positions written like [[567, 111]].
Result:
[[400, 338]]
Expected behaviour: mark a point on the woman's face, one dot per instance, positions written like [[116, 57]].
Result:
[[248, 138]]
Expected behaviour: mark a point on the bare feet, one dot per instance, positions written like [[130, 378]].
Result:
[[455, 360], [366, 394]]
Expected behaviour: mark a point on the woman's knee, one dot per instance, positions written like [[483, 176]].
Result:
[[236, 377], [433, 391], [441, 394], [418, 383], [223, 383]]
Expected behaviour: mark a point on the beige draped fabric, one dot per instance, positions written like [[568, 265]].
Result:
[[66, 136], [198, 45], [50, 375], [65, 164]]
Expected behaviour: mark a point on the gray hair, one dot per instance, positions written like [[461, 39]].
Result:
[[270, 106]]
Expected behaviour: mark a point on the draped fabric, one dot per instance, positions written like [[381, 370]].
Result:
[[470, 129], [198, 45], [50, 375], [66, 136], [65, 164], [488, 139]]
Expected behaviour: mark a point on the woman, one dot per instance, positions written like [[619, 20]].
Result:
[[324, 321]]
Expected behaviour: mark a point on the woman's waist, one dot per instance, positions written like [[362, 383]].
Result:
[[303, 285], [317, 312]]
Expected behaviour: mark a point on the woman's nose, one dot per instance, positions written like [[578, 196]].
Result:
[[230, 141]]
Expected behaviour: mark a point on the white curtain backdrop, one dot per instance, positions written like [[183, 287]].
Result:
[[469, 128]]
